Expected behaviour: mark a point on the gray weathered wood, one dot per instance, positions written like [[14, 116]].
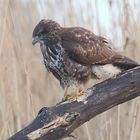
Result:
[[61, 120]]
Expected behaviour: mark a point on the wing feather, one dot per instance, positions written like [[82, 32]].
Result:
[[85, 47]]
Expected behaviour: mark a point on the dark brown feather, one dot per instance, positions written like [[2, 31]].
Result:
[[85, 47]]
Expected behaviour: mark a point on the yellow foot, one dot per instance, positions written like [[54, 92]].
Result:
[[69, 97], [79, 92], [73, 96]]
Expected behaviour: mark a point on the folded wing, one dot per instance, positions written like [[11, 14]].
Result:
[[86, 48]]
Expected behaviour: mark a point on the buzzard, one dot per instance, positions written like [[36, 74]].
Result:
[[74, 55]]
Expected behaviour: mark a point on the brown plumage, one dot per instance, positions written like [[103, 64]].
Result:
[[74, 55]]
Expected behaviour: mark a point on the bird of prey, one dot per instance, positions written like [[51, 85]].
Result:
[[74, 55]]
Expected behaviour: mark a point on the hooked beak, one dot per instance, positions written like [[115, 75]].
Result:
[[35, 40]]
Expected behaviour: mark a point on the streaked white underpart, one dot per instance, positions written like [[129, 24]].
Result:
[[105, 71]]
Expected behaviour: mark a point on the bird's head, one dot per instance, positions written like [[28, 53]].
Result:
[[46, 31]]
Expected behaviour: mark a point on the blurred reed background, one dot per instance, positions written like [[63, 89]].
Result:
[[25, 85]]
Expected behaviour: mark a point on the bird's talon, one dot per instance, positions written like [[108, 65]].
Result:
[[80, 93], [69, 97]]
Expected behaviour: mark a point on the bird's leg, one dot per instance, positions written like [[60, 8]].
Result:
[[79, 92], [66, 92], [72, 94], [66, 95]]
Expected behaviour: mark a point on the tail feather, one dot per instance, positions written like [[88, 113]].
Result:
[[125, 63]]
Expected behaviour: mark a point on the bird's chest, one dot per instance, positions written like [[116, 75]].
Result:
[[53, 57]]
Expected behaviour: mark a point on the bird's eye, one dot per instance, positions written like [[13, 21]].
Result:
[[41, 32]]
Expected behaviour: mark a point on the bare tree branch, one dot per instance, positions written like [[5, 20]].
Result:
[[60, 121]]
